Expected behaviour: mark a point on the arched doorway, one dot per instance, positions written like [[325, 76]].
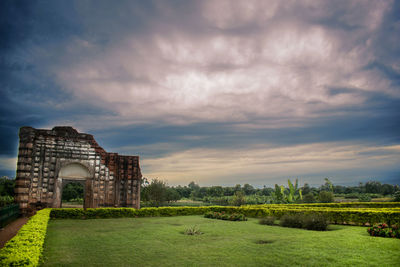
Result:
[[74, 173], [73, 193]]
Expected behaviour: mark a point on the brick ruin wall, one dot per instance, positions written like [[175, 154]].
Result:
[[113, 180]]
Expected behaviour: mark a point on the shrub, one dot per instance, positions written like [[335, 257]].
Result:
[[6, 200], [307, 221], [340, 213], [309, 198], [291, 220], [396, 196], [352, 195], [225, 216], [315, 222], [270, 220], [364, 198], [26, 248], [325, 197], [383, 230]]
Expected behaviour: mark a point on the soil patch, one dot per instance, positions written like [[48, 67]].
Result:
[[11, 229]]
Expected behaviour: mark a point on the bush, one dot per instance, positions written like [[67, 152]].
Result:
[[307, 221], [26, 248], [325, 197], [225, 216], [267, 220], [309, 198], [6, 200], [364, 198], [340, 213], [383, 230], [396, 196], [315, 222], [352, 195], [291, 220]]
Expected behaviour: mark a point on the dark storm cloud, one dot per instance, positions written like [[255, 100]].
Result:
[[194, 81]]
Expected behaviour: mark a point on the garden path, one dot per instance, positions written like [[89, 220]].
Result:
[[11, 230]]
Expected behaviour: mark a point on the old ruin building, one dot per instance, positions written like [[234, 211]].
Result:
[[48, 159]]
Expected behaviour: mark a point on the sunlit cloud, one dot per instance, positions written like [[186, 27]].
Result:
[[8, 163], [268, 164]]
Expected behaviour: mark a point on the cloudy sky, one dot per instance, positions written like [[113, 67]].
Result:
[[219, 92]]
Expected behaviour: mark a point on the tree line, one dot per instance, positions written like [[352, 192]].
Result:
[[156, 192]]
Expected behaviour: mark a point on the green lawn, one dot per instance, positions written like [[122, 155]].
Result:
[[159, 241]]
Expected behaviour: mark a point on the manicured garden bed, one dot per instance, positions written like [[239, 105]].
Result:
[[160, 241]]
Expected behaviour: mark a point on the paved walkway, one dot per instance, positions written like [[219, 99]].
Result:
[[11, 230]]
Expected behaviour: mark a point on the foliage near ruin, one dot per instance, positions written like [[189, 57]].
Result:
[[26, 248]]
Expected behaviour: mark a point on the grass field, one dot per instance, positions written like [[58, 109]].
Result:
[[159, 241]]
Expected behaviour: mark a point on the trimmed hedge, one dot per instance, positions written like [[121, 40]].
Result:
[[334, 215], [337, 205], [315, 222], [26, 248], [225, 216]]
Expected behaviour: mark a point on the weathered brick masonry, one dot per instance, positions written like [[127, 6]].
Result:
[[48, 159]]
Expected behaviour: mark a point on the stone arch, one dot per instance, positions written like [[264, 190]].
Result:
[[74, 171]]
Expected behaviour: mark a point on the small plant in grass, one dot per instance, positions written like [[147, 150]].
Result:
[[193, 230], [267, 220], [383, 230]]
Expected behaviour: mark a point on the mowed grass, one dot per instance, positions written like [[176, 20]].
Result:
[[159, 241]]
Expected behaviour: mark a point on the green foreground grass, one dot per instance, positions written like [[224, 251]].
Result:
[[159, 241]]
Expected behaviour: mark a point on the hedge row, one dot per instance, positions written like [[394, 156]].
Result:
[[338, 216], [340, 205], [26, 248]]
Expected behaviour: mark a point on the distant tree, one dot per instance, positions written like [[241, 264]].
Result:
[[339, 189], [361, 187], [373, 187], [183, 191], [266, 191], [325, 197], [278, 195], [306, 189], [72, 191], [193, 186], [172, 195], [309, 198], [238, 199], [396, 196], [295, 194], [237, 187], [328, 186], [387, 189], [155, 193], [248, 189], [215, 191], [7, 186]]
